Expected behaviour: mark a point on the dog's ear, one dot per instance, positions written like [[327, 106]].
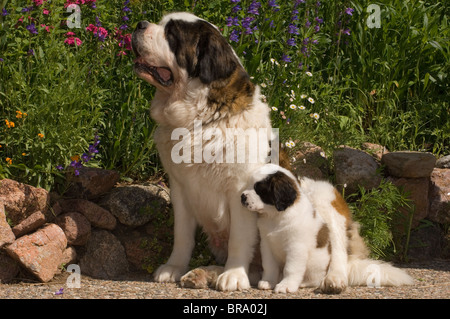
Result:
[[284, 191], [278, 190], [182, 41], [216, 60]]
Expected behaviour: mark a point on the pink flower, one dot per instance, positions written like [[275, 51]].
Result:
[[70, 34], [45, 11], [73, 41], [91, 28], [37, 3]]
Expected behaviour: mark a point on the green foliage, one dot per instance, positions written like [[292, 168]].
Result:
[[329, 78], [376, 211]]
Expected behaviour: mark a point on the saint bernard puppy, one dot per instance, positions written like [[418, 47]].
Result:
[[200, 80], [294, 222]]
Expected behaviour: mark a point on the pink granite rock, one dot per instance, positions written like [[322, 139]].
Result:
[[40, 252]]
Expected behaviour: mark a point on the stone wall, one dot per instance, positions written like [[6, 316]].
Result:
[[108, 229]]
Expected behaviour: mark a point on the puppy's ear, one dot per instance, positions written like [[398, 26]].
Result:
[[216, 60], [284, 192], [278, 190]]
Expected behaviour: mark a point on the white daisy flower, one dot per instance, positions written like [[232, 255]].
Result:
[[290, 144], [303, 96], [263, 85], [293, 106], [302, 107], [308, 73], [274, 108], [316, 116], [311, 100]]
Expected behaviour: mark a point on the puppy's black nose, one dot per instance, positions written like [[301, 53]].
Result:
[[142, 25], [244, 199]]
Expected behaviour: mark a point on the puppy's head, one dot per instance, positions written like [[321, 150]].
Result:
[[271, 192], [181, 47]]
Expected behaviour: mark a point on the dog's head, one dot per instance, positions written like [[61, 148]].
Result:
[[272, 189], [181, 47]]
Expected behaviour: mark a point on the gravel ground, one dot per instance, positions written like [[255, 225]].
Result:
[[432, 282]]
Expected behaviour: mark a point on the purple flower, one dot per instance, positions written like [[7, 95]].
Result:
[[307, 24], [346, 31], [286, 58], [32, 28], [1, 60], [126, 9], [27, 9], [235, 1], [273, 4], [97, 22], [236, 8], [4, 12], [291, 42], [123, 27], [318, 20], [254, 7], [349, 11], [293, 29], [59, 167], [60, 291], [30, 52], [125, 18], [234, 36]]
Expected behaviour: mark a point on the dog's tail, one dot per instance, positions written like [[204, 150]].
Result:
[[375, 273]]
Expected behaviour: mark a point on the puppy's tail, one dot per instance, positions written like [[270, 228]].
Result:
[[375, 273]]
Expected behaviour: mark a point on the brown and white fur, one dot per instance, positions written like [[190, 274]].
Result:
[[198, 77], [306, 227]]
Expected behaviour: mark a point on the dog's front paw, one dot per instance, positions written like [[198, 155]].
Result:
[[286, 287], [265, 285], [169, 273], [233, 279], [333, 284], [201, 278]]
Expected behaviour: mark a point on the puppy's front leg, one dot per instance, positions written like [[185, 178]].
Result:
[[243, 236], [271, 268], [294, 270]]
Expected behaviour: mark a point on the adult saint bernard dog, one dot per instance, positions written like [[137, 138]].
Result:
[[199, 79]]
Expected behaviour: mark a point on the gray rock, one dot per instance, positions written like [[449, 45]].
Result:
[[443, 162], [104, 257], [355, 168], [409, 164], [440, 196], [136, 205]]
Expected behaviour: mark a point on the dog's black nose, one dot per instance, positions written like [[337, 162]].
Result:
[[244, 199], [142, 25]]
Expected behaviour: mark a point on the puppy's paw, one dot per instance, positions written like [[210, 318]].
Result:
[[169, 273], [232, 280], [286, 287], [265, 285], [333, 284]]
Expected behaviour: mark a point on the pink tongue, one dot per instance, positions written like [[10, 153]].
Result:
[[164, 74]]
